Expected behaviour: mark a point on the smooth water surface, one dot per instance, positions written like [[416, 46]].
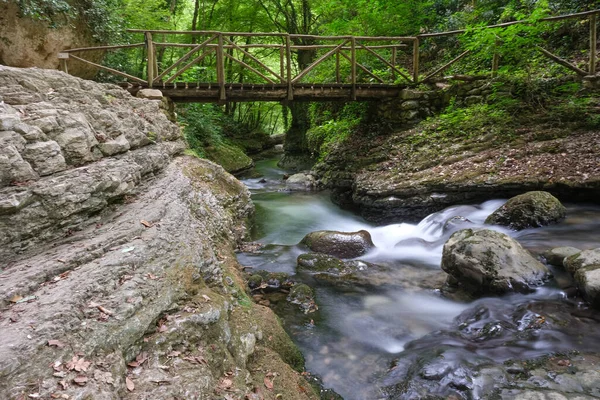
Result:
[[359, 330]]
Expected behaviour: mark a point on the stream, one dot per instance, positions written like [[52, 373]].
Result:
[[397, 329]]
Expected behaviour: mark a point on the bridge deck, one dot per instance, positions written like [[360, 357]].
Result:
[[240, 92]]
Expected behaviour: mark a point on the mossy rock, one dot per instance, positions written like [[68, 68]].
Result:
[[303, 295], [232, 158], [319, 262], [529, 210]]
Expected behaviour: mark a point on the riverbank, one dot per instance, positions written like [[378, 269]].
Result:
[[468, 154]]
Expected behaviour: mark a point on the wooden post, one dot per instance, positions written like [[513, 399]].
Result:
[[63, 57], [221, 68], [593, 43], [394, 55], [155, 62], [337, 67], [495, 61], [416, 60], [353, 62], [282, 63], [151, 58], [288, 56]]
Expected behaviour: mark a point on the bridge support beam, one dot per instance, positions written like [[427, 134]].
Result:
[[150, 65]]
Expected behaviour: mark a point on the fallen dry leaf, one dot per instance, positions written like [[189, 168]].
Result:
[[146, 223], [268, 383], [206, 298], [81, 380], [78, 364], [63, 384], [225, 383], [129, 384], [56, 343], [15, 298]]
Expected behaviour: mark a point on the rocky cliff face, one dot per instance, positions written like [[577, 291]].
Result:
[[27, 42], [117, 273]]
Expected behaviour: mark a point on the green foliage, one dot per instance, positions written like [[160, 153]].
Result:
[[202, 126], [466, 122], [330, 127]]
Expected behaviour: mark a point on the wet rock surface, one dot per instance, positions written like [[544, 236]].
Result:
[[557, 255], [339, 244], [489, 262], [529, 210], [585, 267], [493, 351]]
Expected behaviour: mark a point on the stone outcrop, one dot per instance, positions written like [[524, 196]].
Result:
[[529, 210], [339, 244], [118, 273], [488, 262], [69, 149]]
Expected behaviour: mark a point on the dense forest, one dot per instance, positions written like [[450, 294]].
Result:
[[219, 132]]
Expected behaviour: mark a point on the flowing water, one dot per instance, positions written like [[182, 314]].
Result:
[[361, 330]]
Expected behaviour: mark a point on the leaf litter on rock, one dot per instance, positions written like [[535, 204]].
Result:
[[78, 364], [129, 383], [56, 343]]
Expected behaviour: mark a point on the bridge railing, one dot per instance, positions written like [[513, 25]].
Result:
[[286, 61]]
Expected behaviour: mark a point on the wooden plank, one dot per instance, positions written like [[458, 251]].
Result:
[[120, 46], [151, 59], [188, 65], [243, 64], [445, 66], [365, 69], [256, 60], [221, 69], [186, 56], [562, 62], [416, 60], [317, 62], [593, 43], [277, 46], [288, 56], [368, 48], [111, 70], [353, 65]]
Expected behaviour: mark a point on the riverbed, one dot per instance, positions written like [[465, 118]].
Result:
[[364, 339]]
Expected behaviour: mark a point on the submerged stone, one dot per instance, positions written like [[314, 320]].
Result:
[[339, 244]]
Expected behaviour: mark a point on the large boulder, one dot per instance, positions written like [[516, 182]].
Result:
[[529, 210], [339, 244], [489, 262], [585, 268]]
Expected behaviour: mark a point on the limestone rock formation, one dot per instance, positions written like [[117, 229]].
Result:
[[529, 210], [489, 262], [339, 244], [118, 273]]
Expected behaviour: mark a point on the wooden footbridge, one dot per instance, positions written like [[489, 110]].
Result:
[[209, 66]]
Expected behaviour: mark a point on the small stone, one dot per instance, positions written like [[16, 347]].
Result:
[[150, 94]]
